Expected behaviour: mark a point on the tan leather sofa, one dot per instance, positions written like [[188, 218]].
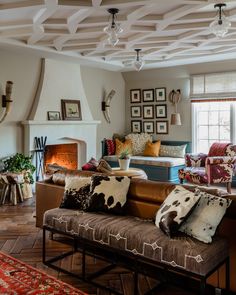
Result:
[[144, 199]]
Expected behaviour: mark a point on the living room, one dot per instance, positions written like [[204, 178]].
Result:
[[57, 54]]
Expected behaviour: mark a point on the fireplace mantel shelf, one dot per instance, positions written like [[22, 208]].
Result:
[[61, 122]]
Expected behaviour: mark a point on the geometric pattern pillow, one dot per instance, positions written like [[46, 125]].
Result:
[[138, 142], [174, 151], [91, 165], [108, 193], [175, 209], [110, 147], [76, 195], [205, 218]]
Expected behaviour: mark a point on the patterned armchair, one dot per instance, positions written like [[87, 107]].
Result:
[[216, 167]]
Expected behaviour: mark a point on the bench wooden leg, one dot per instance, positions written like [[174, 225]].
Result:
[[135, 283], [227, 275], [202, 286]]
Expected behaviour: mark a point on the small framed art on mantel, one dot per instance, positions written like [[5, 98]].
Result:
[[71, 109]]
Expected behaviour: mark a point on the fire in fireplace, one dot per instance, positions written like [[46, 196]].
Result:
[[65, 155]]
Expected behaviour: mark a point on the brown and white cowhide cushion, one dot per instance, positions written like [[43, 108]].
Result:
[[205, 218], [108, 193], [175, 209], [77, 191]]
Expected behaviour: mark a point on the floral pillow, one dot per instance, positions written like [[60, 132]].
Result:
[[174, 151], [205, 218], [77, 191], [175, 209], [138, 142]]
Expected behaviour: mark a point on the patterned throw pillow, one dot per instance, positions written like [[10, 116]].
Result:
[[138, 142], [76, 195], [205, 218], [152, 149], [108, 193], [123, 146], [175, 209], [91, 165], [110, 147], [174, 151]]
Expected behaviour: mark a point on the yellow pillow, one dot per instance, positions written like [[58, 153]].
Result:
[[123, 146], [152, 149]]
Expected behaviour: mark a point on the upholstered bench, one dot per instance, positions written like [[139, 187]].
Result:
[[139, 240]]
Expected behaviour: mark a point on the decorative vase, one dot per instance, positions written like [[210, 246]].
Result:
[[124, 164]]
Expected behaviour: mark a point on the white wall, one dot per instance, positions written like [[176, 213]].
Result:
[[98, 83], [172, 78], [23, 70]]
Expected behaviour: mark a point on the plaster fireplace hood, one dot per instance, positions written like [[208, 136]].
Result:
[[61, 80]]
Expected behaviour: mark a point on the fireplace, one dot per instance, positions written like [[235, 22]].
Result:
[[65, 155]]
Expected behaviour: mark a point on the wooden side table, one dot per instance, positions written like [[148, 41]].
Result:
[[131, 172]]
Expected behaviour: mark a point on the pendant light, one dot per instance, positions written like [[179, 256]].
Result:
[[221, 24], [113, 29], [138, 63]]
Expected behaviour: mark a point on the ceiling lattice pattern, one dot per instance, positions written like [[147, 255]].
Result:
[[165, 30]]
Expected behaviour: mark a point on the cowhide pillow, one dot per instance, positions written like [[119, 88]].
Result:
[[108, 193], [175, 209], [205, 218], [76, 195]]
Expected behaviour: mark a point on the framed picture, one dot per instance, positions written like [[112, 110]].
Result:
[[161, 111], [148, 112], [135, 95], [148, 127], [148, 95], [136, 126], [54, 116], [71, 109], [136, 112], [162, 127], [160, 94]]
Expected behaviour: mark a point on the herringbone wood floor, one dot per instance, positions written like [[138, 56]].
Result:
[[21, 239]]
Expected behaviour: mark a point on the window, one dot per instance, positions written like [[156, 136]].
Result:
[[213, 98], [212, 122]]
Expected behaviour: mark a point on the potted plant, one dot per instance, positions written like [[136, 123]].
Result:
[[19, 163], [124, 160]]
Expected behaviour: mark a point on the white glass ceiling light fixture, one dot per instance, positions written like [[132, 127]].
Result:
[[221, 24], [113, 29], [138, 63]]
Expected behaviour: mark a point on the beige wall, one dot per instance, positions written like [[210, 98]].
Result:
[[172, 78], [24, 69], [98, 83]]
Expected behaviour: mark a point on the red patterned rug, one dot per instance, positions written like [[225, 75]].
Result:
[[17, 277]]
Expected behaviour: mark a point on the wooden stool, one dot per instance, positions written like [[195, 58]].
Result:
[[11, 187]]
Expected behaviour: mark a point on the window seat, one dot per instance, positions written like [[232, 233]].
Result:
[[156, 168]]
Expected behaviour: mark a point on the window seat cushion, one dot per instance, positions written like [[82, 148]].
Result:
[[153, 161]]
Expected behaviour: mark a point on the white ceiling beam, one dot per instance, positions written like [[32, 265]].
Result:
[[10, 33], [21, 4], [75, 4]]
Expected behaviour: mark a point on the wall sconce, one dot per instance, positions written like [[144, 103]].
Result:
[[106, 105], [174, 98], [6, 100]]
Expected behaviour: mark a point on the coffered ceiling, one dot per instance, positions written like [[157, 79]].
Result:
[[169, 32]]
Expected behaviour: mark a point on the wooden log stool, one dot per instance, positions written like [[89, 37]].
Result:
[[11, 192]]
